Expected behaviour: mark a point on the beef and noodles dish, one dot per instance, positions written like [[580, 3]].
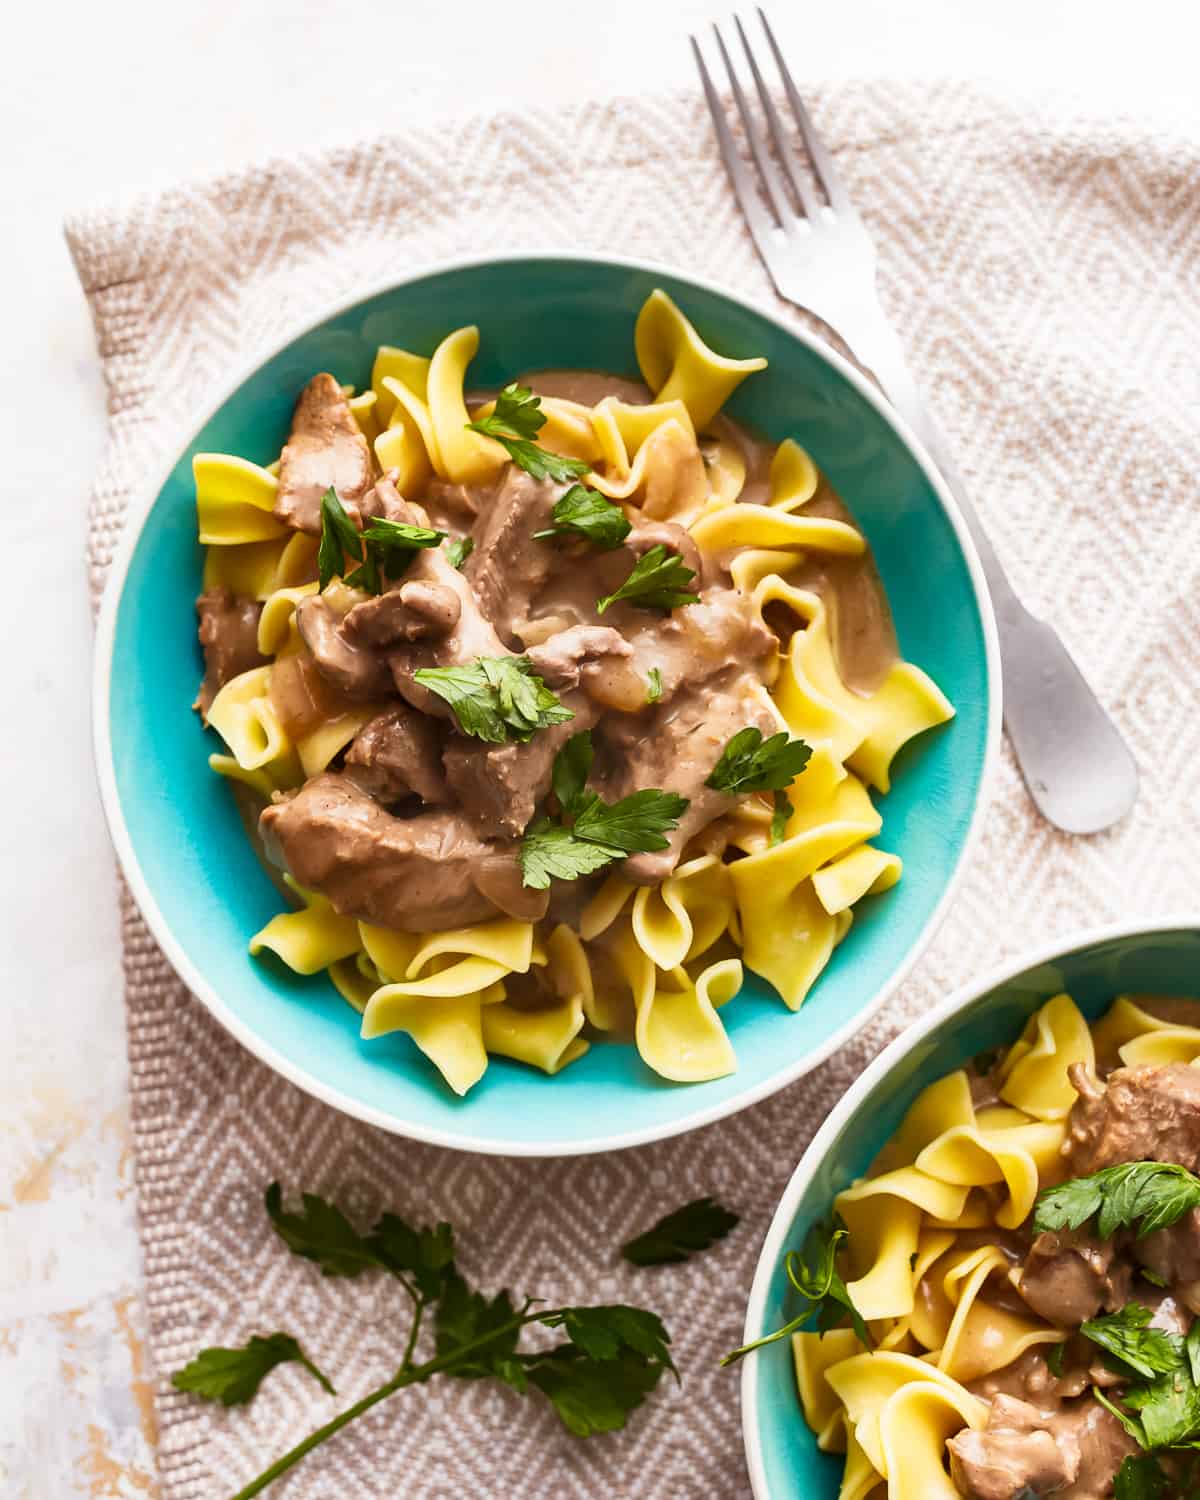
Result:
[[555, 704], [1017, 1285]]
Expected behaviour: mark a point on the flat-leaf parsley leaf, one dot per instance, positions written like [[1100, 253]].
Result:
[[587, 513], [749, 763], [233, 1376], [496, 698], [678, 1236], [383, 549], [1149, 1194], [599, 832], [660, 579], [515, 421]]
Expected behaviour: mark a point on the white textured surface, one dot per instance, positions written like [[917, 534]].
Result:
[[99, 100]]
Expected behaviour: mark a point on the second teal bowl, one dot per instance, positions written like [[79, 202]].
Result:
[[1094, 968]]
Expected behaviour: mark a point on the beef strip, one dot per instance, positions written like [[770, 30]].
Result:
[[1071, 1453], [507, 568], [676, 752], [1069, 1277], [421, 874], [1014, 1453], [413, 610], [1149, 1113], [428, 618], [1173, 1255], [229, 635], [452, 506], [396, 755], [698, 642], [354, 668], [577, 655], [326, 450], [500, 786]]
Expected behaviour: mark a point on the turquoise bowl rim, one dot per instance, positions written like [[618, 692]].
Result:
[[460, 1138], [1070, 945]]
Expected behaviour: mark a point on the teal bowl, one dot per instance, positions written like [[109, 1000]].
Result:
[[1093, 968], [197, 880]]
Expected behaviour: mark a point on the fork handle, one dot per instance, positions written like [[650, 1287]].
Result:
[[1079, 770]]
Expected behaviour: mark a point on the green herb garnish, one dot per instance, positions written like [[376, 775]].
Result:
[[1149, 1194], [749, 763], [515, 422], [572, 767], [1054, 1360], [233, 1376], [611, 1357], [587, 513], [599, 832], [1161, 1404], [1127, 1337], [496, 698], [678, 1236], [383, 549], [340, 539], [660, 580], [654, 685], [459, 550], [780, 818], [1142, 1477], [814, 1274]]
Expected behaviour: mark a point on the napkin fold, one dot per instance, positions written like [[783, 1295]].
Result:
[[1039, 265]]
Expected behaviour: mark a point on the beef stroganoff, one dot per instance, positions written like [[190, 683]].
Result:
[[1010, 1297], [553, 706]]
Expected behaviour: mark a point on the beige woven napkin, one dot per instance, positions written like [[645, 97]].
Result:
[[1040, 270]]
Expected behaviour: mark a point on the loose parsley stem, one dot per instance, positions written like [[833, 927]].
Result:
[[418, 1313], [408, 1375]]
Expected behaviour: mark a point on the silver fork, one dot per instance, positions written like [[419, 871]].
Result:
[[1078, 769]]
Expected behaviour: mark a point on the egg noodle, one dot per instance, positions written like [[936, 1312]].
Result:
[[652, 962]]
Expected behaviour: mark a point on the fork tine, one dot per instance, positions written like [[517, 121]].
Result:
[[747, 195], [772, 182], [826, 172], [783, 149]]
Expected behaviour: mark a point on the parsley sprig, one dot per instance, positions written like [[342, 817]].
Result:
[[517, 419], [610, 1359], [1142, 1477], [459, 550], [660, 579], [813, 1273], [1161, 1399], [1147, 1194], [383, 549], [749, 763], [496, 698], [1128, 1339], [587, 513], [233, 1376], [597, 833], [677, 1236]]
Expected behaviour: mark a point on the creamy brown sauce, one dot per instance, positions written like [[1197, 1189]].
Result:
[[417, 825], [587, 387], [861, 627], [250, 809]]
